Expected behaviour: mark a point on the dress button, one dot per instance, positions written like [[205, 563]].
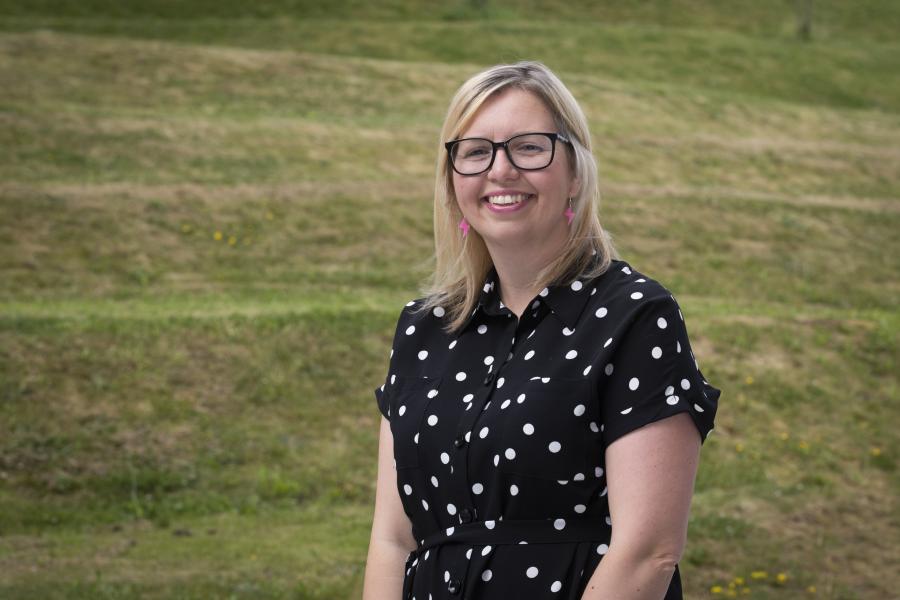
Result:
[[454, 586], [459, 442], [467, 515]]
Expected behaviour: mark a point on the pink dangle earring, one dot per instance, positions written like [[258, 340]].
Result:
[[464, 225], [569, 213]]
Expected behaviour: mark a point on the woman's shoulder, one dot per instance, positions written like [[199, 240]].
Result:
[[623, 284]]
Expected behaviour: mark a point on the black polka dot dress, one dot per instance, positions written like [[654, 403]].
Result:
[[500, 430]]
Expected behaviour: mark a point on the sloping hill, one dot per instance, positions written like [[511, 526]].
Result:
[[210, 218]]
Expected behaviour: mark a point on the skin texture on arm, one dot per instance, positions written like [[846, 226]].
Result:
[[650, 477], [391, 540]]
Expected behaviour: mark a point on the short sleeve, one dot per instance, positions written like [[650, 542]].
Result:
[[653, 374], [383, 392]]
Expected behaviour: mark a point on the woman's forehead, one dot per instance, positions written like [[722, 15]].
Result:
[[508, 113]]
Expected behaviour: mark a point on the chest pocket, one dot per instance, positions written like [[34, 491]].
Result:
[[410, 397], [548, 427]]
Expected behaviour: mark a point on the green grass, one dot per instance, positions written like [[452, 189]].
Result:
[[211, 214]]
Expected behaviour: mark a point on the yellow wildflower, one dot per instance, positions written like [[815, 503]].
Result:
[[781, 578], [739, 580], [785, 435], [186, 228], [745, 590], [731, 586], [875, 451], [232, 241], [716, 589], [269, 215], [217, 236], [749, 380], [758, 575], [739, 447], [803, 445], [811, 589]]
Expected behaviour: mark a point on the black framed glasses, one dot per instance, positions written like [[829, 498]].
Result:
[[526, 152]]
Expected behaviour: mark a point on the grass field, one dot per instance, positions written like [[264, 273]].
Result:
[[212, 212]]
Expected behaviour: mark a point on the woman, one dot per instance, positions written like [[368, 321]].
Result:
[[543, 411]]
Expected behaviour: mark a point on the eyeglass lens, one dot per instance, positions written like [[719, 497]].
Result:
[[528, 151]]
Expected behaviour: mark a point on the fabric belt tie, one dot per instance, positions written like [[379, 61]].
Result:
[[529, 531]]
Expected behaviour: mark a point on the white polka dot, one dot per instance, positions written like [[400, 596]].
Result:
[[580, 508], [545, 380], [438, 311], [555, 586], [513, 490], [416, 438], [594, 427], [576, 286], [477, 488], [626, 270], [510, 453], [672, 400], [520, 399], [532, 572], [432, 420], [452, 344], [528, 428], [669, 391], [586, 370], [486, 550], [579, 410], [434, 481], [423, 354], [393, 377], [486, 575], [450, 531], [559, 524], [490, 524], [496, 459], [633, 383], [554, 447], [601, 312], [483, 433], [678, 346], [578, 477], [598, 471], [567, 331], [469, 434], [451, 509], [641, 280], [602, 549], [482, 328], [488, 360], [698, 408], [661, 323], [468, 398], [626, 411], [432, 393], [529, 354], [608, 342], [424, 504], [544, 293], [410, 330], [445, 458], [505, 403], [685, 384], [571, 354], [461, 376], [469, 554], [636, 295], [500, 382], [656, 352], [609, 369], [407, 489]]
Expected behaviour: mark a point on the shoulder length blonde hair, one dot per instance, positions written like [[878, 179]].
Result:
[[462, 263]]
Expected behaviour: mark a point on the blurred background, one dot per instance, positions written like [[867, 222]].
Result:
[[212, 212]]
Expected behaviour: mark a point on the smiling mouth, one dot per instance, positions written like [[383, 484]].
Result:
[[507, 199]]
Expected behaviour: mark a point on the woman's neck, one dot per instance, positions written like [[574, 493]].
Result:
[[516, 272]]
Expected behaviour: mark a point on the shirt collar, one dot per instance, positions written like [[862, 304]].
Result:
[[567, 301]]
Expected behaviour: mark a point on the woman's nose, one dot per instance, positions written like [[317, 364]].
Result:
[[502, 167]]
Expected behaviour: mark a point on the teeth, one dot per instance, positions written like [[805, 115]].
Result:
[[507, 199]]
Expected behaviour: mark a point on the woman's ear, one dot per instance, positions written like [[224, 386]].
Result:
[[574, 187]]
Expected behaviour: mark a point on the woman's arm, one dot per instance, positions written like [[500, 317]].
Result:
[[650, 475], [391, 540]]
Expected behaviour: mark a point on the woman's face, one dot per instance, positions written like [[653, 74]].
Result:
[[536, 219]]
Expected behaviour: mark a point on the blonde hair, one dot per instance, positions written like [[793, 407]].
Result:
[[462, 263]]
